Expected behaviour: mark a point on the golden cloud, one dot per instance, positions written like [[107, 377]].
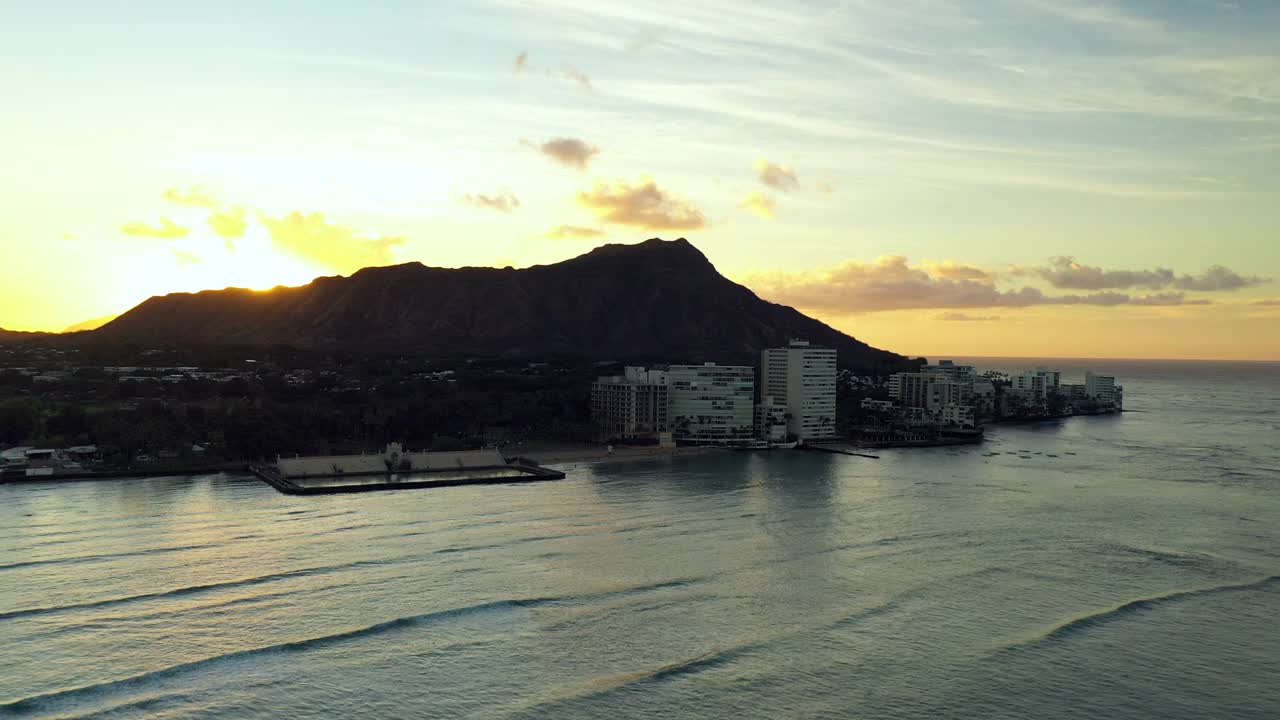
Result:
[[166, 230], [314, 237], [760, 204], [574, 232], [642, 205], [229, 223], [957, 271], [778, 177], [891, 283]]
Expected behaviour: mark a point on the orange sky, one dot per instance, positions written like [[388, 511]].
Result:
[[1062, 179]]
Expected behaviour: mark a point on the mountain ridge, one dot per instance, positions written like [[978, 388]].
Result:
[[660, 300]]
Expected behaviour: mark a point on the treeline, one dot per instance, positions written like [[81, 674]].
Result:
[[338, 407]]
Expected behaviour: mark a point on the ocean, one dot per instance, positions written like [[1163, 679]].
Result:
[[1123, 567]]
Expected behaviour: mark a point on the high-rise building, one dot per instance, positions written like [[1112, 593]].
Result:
[[712, 404], [632, 405], [1100, 387], [803, 378]]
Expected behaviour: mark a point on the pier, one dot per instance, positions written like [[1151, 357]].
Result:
[[395, 469]]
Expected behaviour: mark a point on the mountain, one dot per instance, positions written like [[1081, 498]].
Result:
[[93, 324], [654, 300], [20, 335]]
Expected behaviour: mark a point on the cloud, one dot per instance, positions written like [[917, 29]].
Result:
[[965, 317], [1216, 278], [521, 62], [570, 152], [1065, 273], [229, 223], [778, 177], [166, 230], [196, 197], [574, 232], [891, 283], [956, 271], [313, 237], [643, 205], [578, 76], [824, 187], [505, 201], [760, 204]]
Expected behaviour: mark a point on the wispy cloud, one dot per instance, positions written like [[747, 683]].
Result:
[[574, 232], [778, 177], [579, 77], [166, 230], [642, 204], [760, 204], [196, 197], [965, 317], [504, 201]]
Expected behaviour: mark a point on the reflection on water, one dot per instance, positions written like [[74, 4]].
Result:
[[1105, 567]]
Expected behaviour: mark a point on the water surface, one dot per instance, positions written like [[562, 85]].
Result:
[[1113, 566]]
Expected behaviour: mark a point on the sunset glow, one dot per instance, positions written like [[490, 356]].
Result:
[[1016, 178]]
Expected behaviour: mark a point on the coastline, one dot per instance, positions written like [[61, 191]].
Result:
[[550, 456]]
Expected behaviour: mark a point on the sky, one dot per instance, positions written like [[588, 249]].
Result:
[[1037, 178]]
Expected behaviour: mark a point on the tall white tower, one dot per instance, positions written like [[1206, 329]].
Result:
[[802, 377]]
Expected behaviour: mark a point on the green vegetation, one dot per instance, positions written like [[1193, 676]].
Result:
[[248, 405]]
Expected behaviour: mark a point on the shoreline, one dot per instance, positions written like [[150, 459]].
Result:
[[551, 456]]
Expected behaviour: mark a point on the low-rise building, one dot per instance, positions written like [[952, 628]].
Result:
[[631, 406], [1040, 382], [877, 405], [963, 374], [956, 416], [771, 420]]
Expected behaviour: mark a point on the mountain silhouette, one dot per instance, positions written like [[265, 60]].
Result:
[[657, 300]]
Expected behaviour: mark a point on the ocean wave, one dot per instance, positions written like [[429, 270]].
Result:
[[1101, 617], [52, 700], [77, 559], [186, 590], [545, 705]]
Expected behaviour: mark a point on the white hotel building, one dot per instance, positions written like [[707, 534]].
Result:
[[712, 404], [803, 378]]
